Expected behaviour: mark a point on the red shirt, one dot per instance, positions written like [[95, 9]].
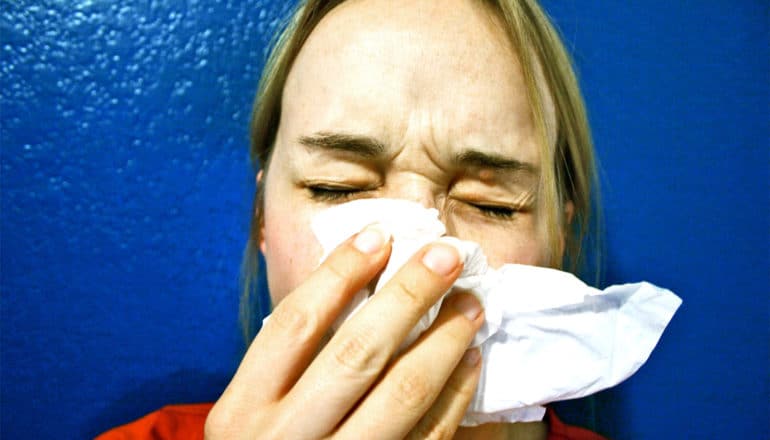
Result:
[[186, 422]]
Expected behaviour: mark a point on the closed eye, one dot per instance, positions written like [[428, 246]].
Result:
[[329, 193], [495, 211]]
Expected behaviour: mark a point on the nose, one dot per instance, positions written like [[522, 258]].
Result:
[[416, 189]]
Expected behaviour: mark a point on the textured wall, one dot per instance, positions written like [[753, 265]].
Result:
[[125, 201], [125, 193]]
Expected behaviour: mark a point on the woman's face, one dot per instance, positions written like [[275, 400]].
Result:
[[417, 100]]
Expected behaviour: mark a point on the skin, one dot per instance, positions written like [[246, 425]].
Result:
[[420, 100]]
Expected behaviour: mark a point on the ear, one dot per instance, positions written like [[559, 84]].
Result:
[[262, 246], [258, 205]]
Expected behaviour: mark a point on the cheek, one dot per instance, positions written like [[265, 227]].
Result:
[[291, 252], [504, 245], [516, 249]]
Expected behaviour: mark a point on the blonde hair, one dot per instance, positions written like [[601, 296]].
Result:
[[543, 59]]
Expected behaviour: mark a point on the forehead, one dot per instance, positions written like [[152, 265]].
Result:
[[376, 66]]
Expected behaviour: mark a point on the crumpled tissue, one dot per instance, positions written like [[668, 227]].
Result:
[[547, 335]]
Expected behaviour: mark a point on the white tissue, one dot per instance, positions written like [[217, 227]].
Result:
[[547, 335]]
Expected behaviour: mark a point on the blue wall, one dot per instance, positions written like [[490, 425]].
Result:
[[125, 194]]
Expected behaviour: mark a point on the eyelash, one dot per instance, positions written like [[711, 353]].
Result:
[[324, 193], [495, 211]]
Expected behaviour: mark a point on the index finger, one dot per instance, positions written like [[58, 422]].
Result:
[[356, 356], [288, 340]]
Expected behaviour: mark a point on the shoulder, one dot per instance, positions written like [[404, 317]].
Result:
[[169, 422], [558, 430]]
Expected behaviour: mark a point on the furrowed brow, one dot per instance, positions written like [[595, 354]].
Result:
[[479, 159], [358, 145]]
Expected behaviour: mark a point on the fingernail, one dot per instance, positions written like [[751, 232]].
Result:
[[472, 356], [468, 305], [441, 259], [371, 239]]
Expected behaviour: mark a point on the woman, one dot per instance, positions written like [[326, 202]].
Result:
[[465, 106]]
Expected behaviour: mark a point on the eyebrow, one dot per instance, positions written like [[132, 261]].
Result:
[[369, 147], [364, 146], [480, 159]]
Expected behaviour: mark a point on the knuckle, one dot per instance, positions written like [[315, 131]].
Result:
[[462, 384], [431, 428], [294, 321], [412, 391], [338, 273], [459, 334], [455, 332], [409, 294], [462, 389], [357, 353]]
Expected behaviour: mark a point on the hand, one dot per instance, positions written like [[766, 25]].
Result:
[[354, 388]]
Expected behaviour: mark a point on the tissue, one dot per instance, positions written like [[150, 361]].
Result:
[[547, 336]]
